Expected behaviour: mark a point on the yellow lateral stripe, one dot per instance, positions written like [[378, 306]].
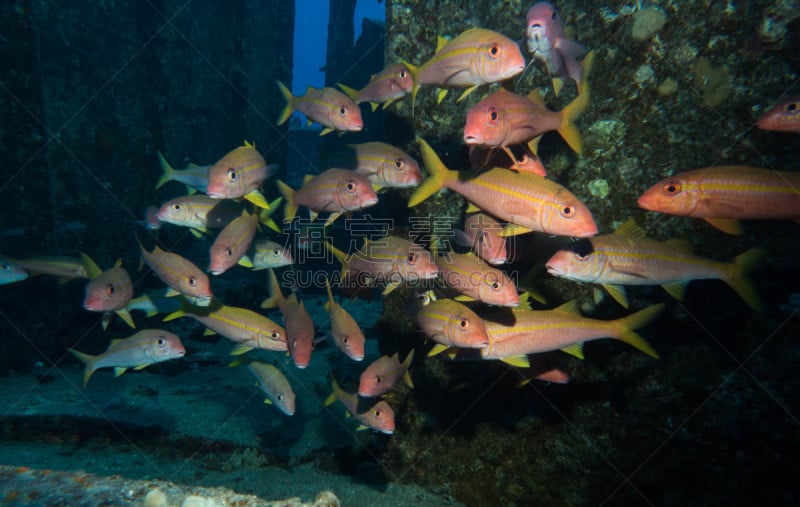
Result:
[[507, 191]]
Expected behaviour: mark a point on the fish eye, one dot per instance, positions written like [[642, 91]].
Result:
[[494, 50], [672, 189], [398, 164], [495, 285], [403, 74], [110, 290], [232, 174], [342, 110], [493, 114], [280, 397], [193, 281], [276, 252], [228, 252], [161, 341], [350, 186], [792, 107], [176, 206], [377, 379], [275, 335], [568, 211], [463, 323], [378, 413], [411, 258], [345, 339], [6, 266]]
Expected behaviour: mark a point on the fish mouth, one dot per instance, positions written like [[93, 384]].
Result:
[[472, 139], [92, 307], [371, 202], [180, 353], [553, 270], [387, 431]]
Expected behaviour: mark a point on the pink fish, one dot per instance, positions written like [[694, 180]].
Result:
[[525, 159], [783, 116], [475, 57], [548, 44], [476, 280], [386, 166], [379, 417], [345, 330], [231, 244], [334, 191], [451, 324], [327, 106], [275, 385], [138, 351], [108, 291], [390, 84], [179, 274], [299, 326], [482, 234], [381, 375], [240, 173]]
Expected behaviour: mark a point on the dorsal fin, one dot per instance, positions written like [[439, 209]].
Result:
[[569, 307], [630, 228], [440, 43]]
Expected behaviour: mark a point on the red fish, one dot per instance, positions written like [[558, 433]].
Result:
[[783, 116], [232, 242], [381, 375], [379, 417], [476, 57], [386, 166], [482, 234], [525, 159], [299, 326], [327, 106], [388, 85], [345, 330], [547, 43], [335, 191], [472, 277], [180, 274], [240, 173], [451, 324], [108, 291], [722, 195]]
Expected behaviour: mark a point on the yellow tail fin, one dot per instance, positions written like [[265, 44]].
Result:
[[168, 171], [438, 175], [740, 282], [287, 111], [414, 70], [350, 92], [569, 114], [626, 327], [88, 360], [290, 208]]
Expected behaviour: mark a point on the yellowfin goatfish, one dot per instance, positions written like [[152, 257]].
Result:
[[153, 302], [198, 212], [108, 291], [385, 165], [626, 257], [65, 268], [482, 234], [528, 201], [388, 85], [345, 330], [327, 106], [476, 57], [381, 375], [390, 260], [146, 347], [534, 331], [379, 417], [451, 324], [194, 176], [476, 280], [231, 243], [299, 326], [247, 328], [275, 385], [334, 191], [723, 195], [180, 274], [240, 173], [269, 254], [11, 272]]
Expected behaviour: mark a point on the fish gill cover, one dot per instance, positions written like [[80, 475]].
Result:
[[676, 95]]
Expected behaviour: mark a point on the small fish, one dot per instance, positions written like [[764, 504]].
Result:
[[475, 57], [193, 176], [275, 385], [66, 268], [240, 173], [153, 302], [527, 201], [627, 257], [327, 106], [391, 260], [11, 272], [381, 375], [269, 254], [334, 191], [783, 116], [525, 159], [482, 234], [547, 43], [250, 330], [379, 417], [476, 280], [108, 291], [198, 212], [299, 325], [385, 165], [534, 331], [725, 194], [505, 118], [144, 348], [231, 243], [451, 324], [392, 83], [180, 274], [345, 330]]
